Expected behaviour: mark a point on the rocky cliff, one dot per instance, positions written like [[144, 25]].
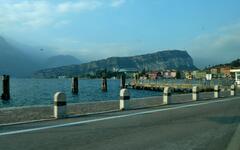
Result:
[[162, 60]]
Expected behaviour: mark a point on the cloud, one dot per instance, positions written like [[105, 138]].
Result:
[[221, 46], [117, 3], [34, 14], [61, 23], [78, 6], [93, 50], [24, 13]]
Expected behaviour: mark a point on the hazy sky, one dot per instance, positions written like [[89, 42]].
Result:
[[208, 29]]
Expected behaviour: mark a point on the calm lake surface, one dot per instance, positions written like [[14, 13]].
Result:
[[28, 92]]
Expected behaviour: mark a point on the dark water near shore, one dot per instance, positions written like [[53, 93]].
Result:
[[27, 92]]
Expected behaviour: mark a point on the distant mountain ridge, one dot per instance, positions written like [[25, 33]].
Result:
[[162, 60], [61, 60], [13, 61], [233, 64], [20, 62]]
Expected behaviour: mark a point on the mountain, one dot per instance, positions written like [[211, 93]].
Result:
[[162, 60], [233, 64], [20, 60], [61, 60], [14, 62]]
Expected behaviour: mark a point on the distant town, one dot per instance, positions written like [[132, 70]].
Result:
[[226, 71]]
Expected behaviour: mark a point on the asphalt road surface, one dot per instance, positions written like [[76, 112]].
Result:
[[203, 125]]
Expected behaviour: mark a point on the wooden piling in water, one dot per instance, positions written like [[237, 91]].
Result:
[[5, 87], [104, 81], [104, 84], [75, 85], [123, 81]]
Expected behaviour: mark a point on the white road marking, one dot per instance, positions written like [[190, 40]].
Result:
[[113, 117]]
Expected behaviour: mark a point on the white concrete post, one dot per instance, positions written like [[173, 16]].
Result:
[[216, 91], [167, 96], [233, 88], [60, 105], [124, 99], [195, 93]]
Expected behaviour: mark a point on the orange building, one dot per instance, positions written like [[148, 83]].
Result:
[[221, 72], [225, 71]]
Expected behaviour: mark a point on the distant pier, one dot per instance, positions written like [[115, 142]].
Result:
[[179, 86]]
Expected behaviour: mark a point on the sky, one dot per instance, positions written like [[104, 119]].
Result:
[[209, 30]]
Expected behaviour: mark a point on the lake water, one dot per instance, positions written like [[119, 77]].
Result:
[[28, 92]]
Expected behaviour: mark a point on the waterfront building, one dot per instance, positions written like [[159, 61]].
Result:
[[215, 71], [225, 71], [173, 74], [198, 74], [154, 75], [170, 74], [221, 72], [237, 75], [130, 72]]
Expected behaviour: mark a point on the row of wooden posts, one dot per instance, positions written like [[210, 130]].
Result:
[[124, 103], [104, 85], [122, 82], [6, 85]]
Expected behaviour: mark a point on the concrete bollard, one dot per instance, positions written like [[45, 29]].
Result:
[[5, 87], [75, 85], [60, 105], [195, 93], [123, 81], [167, 96], [233, 90], [216, 91], [104, 84], [124, 99]]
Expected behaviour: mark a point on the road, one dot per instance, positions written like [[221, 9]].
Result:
[[212, 124]]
